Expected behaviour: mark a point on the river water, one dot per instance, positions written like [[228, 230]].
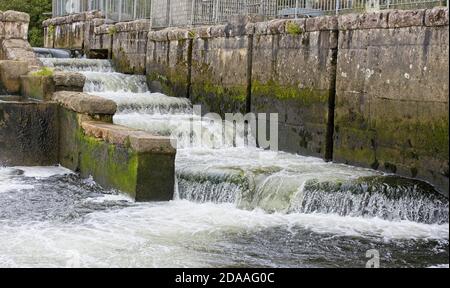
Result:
[[235, 206]]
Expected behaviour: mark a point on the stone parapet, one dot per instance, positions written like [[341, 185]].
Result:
[[138, 140], [84, 103]]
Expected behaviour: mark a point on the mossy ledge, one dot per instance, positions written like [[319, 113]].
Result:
[[117, 157]]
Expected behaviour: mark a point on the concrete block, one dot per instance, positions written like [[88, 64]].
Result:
[[10, 72], [84, 103]]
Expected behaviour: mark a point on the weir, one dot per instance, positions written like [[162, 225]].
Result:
[[211, 170], [232, 204], [49, 121]]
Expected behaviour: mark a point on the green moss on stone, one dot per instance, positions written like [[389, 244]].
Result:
[[293, 28], [307, 96], [44, 72], [112, 31], [118, 167]]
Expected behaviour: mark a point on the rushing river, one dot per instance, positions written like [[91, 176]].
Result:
[[234, 206]]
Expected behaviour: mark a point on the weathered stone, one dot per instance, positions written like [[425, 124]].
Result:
[[14, 16], [436, 17], [10, 72], [392, 99], [139, 141], [143, 142], [159, 35], [202, 32], [374, 20], [261, 28], [178, 34], [219, 31], [129, 46], [323, 23], [37, 87], [98, 22], [28, 134], [98, 54], [15, 30], [19, 50], [144, 176], [76, 31], [406, 18], [69, 81], [349, 21], [276, 26], [250, 28], [84, 103], [104, 29]]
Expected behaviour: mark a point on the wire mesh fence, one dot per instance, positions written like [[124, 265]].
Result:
[[164, 13]]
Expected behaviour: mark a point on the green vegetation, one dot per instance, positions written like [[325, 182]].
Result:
[[112, 31], [293, 28], [192, 34], [36, 9], [46, 71]]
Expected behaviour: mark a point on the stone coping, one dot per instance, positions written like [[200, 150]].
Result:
[[143, 25], [84, 103], [385, 19], [69, 79], [73, 18], [103, 29], [14, 16], [139, 141]]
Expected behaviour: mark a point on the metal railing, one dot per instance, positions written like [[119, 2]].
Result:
[[165, 13], [116, 10]]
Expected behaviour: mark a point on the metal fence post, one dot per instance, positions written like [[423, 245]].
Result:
[[216, 12], [192, 12], [338, 4]]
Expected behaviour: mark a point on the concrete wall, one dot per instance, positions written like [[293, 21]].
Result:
[[167, 62], [72, 32], [132, 161], [366, 89], [293, 74], [126, 41], [130, 46], [54, 122], [369, 89], [392, 93], [28, 134], [13, 39]]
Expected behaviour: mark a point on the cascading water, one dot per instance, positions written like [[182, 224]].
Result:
[[235, 206]]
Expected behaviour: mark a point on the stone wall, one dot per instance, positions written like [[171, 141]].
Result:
[[28, 134], [126, 41], [366, 89], [168, 53], [54, 122], [13, 39], [392, 93], [130, 46], [132, 161], [103, 38], [72, 32], [293, 74]]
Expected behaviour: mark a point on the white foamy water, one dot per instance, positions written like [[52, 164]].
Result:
[[146, 102], [78, 65], [178, 234], [8, 176], [234, 207], [43, 172]]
